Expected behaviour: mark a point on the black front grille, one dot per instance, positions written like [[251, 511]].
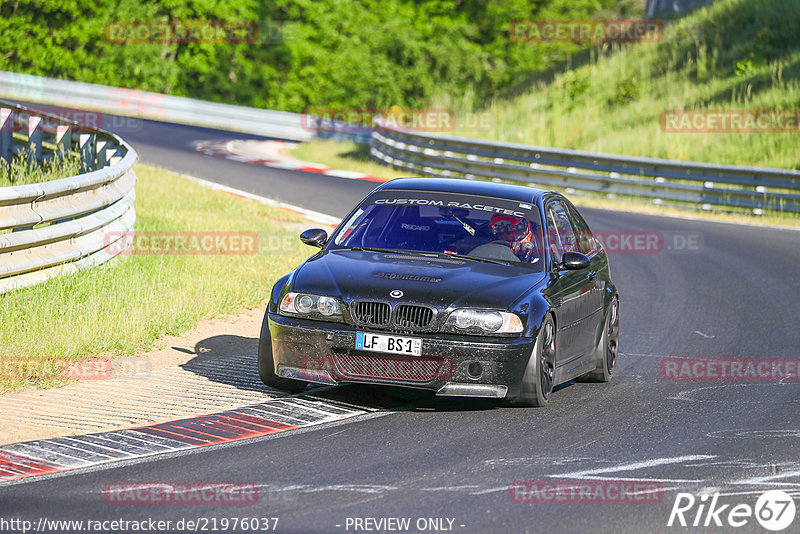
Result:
[[372, 313], [409, 316]]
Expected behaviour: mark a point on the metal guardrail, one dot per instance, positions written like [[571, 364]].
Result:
[[704, 184], [667, 8], [155, 106], [62, 225]]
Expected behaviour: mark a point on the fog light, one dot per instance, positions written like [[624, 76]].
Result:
[[475, 370]]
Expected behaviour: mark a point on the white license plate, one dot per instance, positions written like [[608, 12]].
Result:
[[389, 344]]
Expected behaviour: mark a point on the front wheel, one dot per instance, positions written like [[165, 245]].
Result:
[[266, 364], [539, 378]]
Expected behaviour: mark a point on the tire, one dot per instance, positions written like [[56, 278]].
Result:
[[538, 380], [266, 364], [607, 348]]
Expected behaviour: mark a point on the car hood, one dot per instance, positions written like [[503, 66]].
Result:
[[442, 282]]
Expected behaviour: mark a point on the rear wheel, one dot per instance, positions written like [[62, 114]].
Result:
[[607, 348], [266, 364], [539, 378]]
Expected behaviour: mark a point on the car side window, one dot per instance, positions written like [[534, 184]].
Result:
[[560, 232], [587, 244]]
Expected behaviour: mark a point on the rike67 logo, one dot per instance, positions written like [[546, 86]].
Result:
[[774, 510]]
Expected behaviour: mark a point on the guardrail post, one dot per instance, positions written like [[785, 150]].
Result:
[[101, 147], [6, 132], [35, 133], [70, 207], [63, 140], [86, 143], [114, 153]]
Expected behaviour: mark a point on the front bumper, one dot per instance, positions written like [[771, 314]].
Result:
[[450, 365]]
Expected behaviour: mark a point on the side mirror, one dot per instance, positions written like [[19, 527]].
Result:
[[574, 261], [314, 237]]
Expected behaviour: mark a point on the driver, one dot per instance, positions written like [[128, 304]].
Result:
[[512, 240]]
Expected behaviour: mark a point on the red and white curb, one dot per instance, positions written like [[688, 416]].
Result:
[[45, 456], [227, 150]]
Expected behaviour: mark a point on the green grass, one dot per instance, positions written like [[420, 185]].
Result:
[[344, 155], [123, 306], [21, 170], [735, 54]]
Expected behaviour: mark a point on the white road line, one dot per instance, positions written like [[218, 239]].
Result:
[[686, 395], [633, 466], [314, 216], [707, 336], [755, 492], [344, 174], [490, 490], [768, 480], [452, 488]]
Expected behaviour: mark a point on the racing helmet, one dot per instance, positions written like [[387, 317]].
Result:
[[518, 227]]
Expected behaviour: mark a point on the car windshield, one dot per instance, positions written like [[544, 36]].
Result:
[[481, 228]]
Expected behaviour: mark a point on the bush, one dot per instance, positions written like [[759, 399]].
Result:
[[308, 54]]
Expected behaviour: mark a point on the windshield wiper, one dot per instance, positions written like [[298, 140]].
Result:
[[395, 251], [430, 253], [474, 258]]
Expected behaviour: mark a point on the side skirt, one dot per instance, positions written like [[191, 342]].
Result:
[[575, 368]]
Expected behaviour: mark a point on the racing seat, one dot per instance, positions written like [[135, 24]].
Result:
[[416, 233]]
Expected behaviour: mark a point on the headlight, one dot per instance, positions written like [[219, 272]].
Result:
[[312, 306], [494, 322], [328, 306]]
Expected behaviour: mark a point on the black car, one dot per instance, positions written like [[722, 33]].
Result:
[[465, 288]]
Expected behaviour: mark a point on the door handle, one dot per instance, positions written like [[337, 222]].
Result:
[[591, 275]]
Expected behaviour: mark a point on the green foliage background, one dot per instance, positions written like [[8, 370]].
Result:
[[331, 53]]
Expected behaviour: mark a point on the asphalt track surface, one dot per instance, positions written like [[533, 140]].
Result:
[[735, 295]]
